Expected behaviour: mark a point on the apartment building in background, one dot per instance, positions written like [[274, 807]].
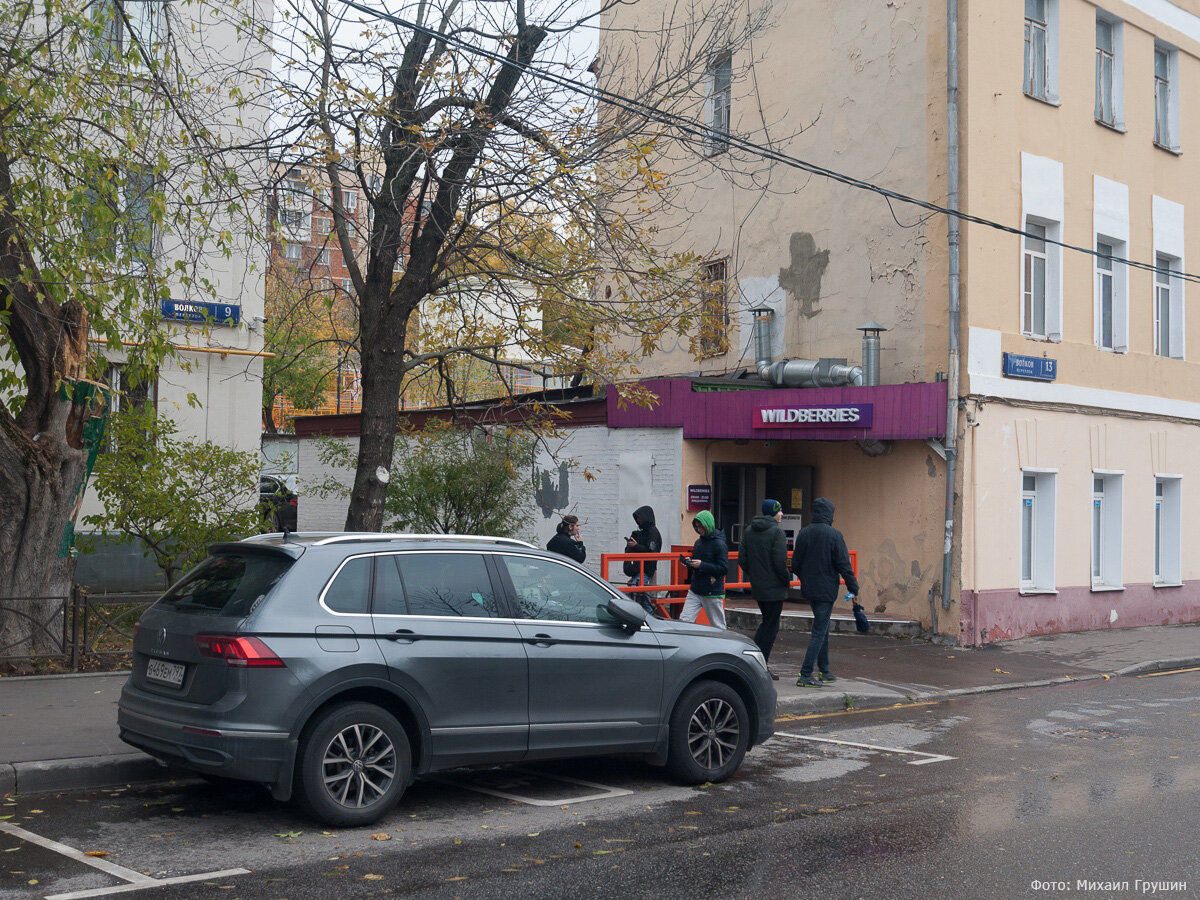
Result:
[[1065, 414], [212, 387]]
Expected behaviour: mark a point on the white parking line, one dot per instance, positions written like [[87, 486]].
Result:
[[605, 791], [928, 757], [136, 880]]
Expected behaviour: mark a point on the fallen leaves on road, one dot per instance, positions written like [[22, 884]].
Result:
[[97, 853], [1001, 672], [381, 836]]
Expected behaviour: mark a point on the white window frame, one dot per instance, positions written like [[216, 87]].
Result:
[[1036, 524], [1114, 117], [1110, 219], [1040, 79], [718, 103], [293, 251], [1168, 530], [349, 200], [1166, 97], [1106, 293], [1168, 221], [1035, 265], [1042, 203], [322, 257], [1108, 495]]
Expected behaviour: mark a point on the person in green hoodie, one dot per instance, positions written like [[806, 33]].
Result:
[[706, 568]]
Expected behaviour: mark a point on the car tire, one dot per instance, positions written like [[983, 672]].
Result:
[[354, 764], [709, 733]]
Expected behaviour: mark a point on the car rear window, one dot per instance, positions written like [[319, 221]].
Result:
[[226, 584]]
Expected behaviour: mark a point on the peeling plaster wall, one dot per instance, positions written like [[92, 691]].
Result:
[[850, 86]]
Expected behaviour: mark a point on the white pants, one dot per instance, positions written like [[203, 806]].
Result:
[[714, 608]]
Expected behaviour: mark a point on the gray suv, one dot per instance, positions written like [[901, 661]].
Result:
[[337, 667]]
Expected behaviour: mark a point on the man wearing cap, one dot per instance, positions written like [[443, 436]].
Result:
[[762, 556]]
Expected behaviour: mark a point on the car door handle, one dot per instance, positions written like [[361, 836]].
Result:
[[402, 634], [541, 640]]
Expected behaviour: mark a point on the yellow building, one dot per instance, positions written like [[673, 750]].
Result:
[[1075, 384]]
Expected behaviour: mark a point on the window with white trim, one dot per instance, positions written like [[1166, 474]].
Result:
[[349, 201], [1110, 64], [1037, 530], [1041, 49], [322, 257], [1112, 316], [1166, 97], [1039, 282], [1168, 307], [1168, 495], [293, 251], [717, 102], [1107, 495]]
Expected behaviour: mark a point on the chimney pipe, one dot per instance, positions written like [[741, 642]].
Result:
[[870, 352]]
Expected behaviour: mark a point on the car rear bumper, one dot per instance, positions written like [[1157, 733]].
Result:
[[247, 754]]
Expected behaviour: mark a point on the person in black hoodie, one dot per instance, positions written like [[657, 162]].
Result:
[[567, 540], [821, 561], [644, 539], [763, 558]]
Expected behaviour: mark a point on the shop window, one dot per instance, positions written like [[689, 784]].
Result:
[[1168, 495], [1037, 531], [1106, 529]]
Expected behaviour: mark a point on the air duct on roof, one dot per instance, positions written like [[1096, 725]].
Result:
[[797, 373]]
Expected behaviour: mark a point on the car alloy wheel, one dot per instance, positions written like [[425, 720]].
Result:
[[358, 766], [713, 733], [709, 733], [354, 764]]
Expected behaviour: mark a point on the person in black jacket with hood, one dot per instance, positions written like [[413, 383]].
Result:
[[644, 539], [820, 561], [763, 558], [567, 540]]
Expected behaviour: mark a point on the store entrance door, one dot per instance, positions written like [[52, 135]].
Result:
[[739, 490]]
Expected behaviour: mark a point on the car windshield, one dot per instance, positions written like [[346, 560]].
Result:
[[227, 584]]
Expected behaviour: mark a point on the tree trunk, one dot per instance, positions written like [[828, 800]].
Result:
[[39, 479]]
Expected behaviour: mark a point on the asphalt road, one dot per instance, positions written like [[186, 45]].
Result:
[[1089, 789]]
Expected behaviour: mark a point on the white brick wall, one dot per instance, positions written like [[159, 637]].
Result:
[[597, 451]]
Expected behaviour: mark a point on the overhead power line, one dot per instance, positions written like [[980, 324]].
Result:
[[703, 133]]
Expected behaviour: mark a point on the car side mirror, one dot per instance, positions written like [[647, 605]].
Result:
[[629, 615]]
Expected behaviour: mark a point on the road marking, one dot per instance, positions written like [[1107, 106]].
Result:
[[1168, 672], [137, 881], [857, 712], [604, 791], [927, 757]]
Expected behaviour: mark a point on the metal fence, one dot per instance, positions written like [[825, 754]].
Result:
[[73, 630]]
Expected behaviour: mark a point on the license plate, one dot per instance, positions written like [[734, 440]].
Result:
[[167, 672]]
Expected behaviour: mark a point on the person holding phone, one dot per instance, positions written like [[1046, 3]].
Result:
[[707, 567]]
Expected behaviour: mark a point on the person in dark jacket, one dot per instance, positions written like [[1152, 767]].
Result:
[[763, 558], [821, 561], [567, 540], [644, 539], [707, 567]]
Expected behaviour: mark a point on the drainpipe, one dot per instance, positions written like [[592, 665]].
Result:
[[952, 239]]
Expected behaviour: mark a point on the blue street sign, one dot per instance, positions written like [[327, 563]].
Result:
[[1036, 367], [191, 311]]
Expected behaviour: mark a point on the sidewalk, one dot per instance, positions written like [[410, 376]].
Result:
[[59, 733]]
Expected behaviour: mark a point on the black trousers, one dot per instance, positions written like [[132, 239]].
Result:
[[769, 629]]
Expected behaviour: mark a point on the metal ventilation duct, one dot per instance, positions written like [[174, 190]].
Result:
[[797, 373]]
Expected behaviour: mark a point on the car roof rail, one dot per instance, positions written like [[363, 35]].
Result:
[[350, 537], [292, 535]]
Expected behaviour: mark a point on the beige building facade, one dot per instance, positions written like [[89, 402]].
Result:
[[1075, 491]]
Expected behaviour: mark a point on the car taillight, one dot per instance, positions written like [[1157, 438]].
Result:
[[294, 501], [247, 652]]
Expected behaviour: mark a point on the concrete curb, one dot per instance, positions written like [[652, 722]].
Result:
[[81, 773], [1160, 665]]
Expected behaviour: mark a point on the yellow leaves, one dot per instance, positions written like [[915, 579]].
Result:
[[372, 878], [96, 853], [1001, 672], [381, 836]]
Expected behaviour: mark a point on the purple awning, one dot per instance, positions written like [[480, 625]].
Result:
[[884, 412]]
